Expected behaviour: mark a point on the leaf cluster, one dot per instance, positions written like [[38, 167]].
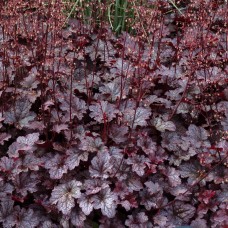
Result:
[[97, 129]]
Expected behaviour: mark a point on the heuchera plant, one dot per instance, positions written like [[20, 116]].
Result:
[[104, 131]]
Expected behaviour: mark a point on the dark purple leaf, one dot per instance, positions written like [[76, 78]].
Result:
[[147, 144], [105, 200], [20, 114], [133, 183], [180, 147], [23, 218], [152, 201], [155, 99], [100, 165], [136, 118], [23, 143], [6, 213], [173, 176], [77, 217], [56, 166], [162, 125], [78, 106], [180, 213], [82, 84], [14, 148], [128, 202], [191, 170], [153, 188], [4, 137], [29, 140], [93, 186], [110, 223], [30, 82], [138, 163], [113, 89], [160, 220], [91, 144], [86, 203], [31, 162], [5, 189], [138, 221], [198, 136], [75, 156], [26, 182], [220, 218], [103, 111], [199, 223], [6, 164], [47, 224], [118, 133], [60, 127], [64, 196]]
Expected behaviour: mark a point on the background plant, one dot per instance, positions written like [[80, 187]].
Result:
[[120, 14], [99, 130]]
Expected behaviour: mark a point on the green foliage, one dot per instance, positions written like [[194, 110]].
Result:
[[119, 14]]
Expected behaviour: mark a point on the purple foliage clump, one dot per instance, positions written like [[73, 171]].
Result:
[[99, 130]]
